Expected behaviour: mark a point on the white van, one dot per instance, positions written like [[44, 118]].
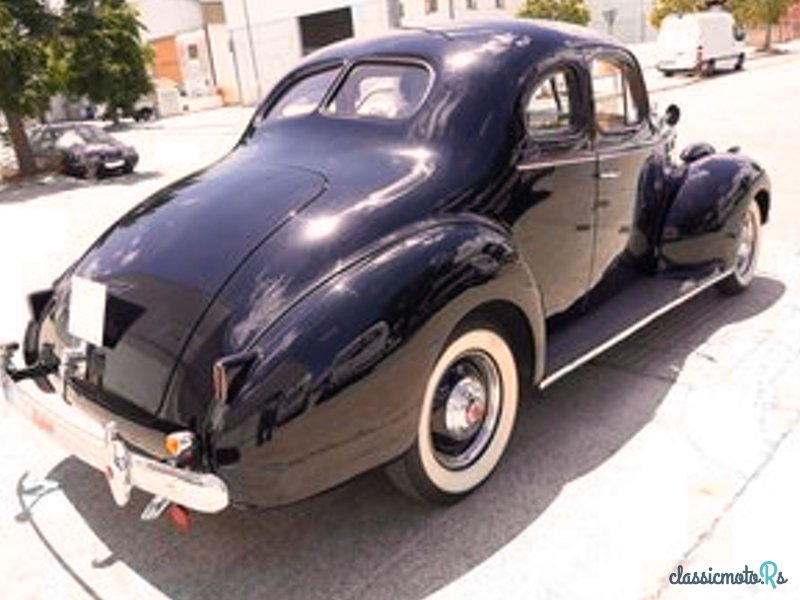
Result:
[[700, 42]]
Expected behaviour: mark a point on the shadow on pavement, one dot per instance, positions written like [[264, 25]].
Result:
[[54, 184], [364, 540]]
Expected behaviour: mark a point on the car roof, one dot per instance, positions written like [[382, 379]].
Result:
[[437, 42]]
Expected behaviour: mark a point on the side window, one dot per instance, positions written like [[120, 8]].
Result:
[[303, 97], [549, 108], [615, 108]]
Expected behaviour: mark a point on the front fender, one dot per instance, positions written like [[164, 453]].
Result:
[[709, 199], [339, 379]]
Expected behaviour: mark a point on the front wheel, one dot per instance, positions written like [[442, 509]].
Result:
[[747, 251], [739, 63], [468, 413]]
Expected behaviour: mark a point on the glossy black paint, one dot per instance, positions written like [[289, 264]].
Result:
[[339, 255]]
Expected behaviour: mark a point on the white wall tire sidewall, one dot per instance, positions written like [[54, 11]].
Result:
[[462, 481], [745, 279]]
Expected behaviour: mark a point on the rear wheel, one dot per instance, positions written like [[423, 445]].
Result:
[[708, 68], [744, 268], [739, 63], [468, 413]]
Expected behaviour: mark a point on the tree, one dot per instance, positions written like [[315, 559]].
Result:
[[26, 30], [662, 8], [103, 55], [572, 11], [767, 13]]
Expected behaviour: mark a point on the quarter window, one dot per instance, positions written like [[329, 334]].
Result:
[[384, 91], [614, 106], [303, 97], [549, 108]]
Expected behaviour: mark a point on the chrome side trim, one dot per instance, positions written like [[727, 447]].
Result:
[[614, 340], [558, 162]]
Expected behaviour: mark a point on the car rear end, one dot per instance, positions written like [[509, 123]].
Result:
[[679, 44]]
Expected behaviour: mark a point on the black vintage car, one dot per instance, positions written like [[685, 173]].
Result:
[[410, 230], [82, 149]]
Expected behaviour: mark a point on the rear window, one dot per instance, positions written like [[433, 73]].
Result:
[[303, 97], [381, 91]]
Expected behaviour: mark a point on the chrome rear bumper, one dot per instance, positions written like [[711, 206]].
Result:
[[104, 449]]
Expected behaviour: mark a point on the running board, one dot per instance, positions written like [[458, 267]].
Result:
[[613, 321]]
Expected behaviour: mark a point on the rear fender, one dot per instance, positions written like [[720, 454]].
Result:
[[339, 379]]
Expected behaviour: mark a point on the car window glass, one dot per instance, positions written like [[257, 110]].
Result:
[[69, 138], [93, 135], [548, 109], [303, 97], [36, 138], [386, 91], [614, 105]]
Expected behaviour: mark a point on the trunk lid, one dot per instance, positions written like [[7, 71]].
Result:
[[163, 265]]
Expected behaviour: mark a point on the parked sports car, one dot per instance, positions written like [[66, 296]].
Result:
[[82, 149], [410, 230]]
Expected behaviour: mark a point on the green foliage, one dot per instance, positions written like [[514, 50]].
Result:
[[571, 11], [104, 59], [662, 8], [746, 12], [26, 32], [760, 12]]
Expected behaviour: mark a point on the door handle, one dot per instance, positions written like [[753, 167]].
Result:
[[609, 175]]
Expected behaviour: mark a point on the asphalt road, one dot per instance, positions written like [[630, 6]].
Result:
[[679, 446]]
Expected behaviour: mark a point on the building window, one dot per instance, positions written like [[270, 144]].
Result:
[[501, 4], [431, 6], [472, 4]]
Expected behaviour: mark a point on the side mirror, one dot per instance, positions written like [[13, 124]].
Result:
[[672, 115]]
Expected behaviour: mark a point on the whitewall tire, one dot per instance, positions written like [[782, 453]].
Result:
[[466, 418], [747, 252]]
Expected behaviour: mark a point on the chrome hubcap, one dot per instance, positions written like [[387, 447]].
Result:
[[745, 253], [465, 410]]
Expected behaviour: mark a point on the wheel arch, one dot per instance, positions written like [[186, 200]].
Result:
[[516, 325], [336, 390]]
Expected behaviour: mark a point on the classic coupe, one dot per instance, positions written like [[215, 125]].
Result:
[[410, 230]]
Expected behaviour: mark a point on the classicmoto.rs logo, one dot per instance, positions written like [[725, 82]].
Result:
[[767, 574]]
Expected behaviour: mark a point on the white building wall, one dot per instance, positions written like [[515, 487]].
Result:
[[270, 45], [224, 65], [163, 18], [630, 22]]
